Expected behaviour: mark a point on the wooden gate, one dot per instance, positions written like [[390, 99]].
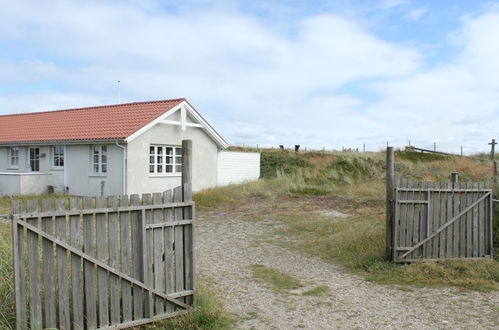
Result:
[[111, 262], [433, 220]]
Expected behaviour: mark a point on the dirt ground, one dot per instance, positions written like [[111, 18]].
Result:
[[227, 246]]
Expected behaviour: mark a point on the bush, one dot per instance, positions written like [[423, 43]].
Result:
[[272, 163]]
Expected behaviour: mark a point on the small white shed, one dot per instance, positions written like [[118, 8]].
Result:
[[237, 167]]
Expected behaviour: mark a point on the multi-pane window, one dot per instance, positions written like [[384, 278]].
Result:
[[99, 159], [34, 159], [165, 160], [14, 156], [58, 156]]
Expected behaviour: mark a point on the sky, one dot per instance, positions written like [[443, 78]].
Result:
[[319, 73]]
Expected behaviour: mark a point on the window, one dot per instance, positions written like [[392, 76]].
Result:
[[14, 156], [99, 159], [34, 159], [165, 160], [58, 156]]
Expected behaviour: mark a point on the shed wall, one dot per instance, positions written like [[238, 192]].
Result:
[[237, 167]]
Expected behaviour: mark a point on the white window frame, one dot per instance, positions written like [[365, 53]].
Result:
[[58, 156], [37, 160], [99, 165], [159, 164], [12, 157]]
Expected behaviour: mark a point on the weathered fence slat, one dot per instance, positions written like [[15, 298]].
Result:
[[49, 313], [34, 270], [138, 307], [125, 259], [169, 249], [77, 279], [179, 244], [114, 255], [158, 252], [19, 273], [101, 226], [88, 243], [62, 268]]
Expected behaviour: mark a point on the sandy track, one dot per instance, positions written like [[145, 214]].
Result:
[[227, 247]]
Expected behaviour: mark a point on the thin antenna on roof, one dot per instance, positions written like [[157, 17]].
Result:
[[119, 91]]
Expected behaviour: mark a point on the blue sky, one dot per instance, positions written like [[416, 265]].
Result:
[[315, 73]]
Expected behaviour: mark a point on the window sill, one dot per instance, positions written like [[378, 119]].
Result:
[[12, 168], [57, 168], [97, 176], [175, 175]]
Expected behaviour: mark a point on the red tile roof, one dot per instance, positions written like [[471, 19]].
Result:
[[94, 123]]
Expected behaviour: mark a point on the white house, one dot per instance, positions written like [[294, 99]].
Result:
[[115, 149]]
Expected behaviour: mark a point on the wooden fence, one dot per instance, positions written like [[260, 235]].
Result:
[[437, 220], [114, 262]]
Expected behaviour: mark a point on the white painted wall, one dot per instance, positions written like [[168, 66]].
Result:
[[204, 159], [237, 167]]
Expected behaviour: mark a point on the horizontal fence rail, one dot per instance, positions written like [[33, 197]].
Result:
[[98, 263], [441, 220]]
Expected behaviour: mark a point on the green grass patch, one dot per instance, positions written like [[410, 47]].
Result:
[[420, 156], [274, 279], [317, 291], [208, 314]]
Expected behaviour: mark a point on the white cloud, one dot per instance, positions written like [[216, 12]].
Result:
[[255, 82]]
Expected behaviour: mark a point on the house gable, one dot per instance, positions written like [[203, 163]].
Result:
[[183, 115]]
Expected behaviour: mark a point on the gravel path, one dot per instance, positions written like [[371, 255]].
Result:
[[226, 248]]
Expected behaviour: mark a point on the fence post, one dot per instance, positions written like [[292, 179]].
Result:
[[186, 162], [454, 179], [188, 213], [390, 178]]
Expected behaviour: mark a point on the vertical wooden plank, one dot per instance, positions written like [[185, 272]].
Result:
[[126, 257], [462, 224], [416, 222], [19, 273], [189, 241], [403, 217], [433, 224], [476, 195], [424, 220], [34, 270], [455, 225], [450, 210], [114, 255], [481, 223], [490, 225], [76, 271], [169, 252], [49, 313], [62, 267], [147, 256], [390, 178], [158, 250], [443, 218], [396, 223], [88, 267], [101, 236], [138, 308], [469, 222], [179, 245]]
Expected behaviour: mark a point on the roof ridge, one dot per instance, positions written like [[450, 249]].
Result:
[[95, 107]]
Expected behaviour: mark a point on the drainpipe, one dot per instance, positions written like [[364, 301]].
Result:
[[124, 165]]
